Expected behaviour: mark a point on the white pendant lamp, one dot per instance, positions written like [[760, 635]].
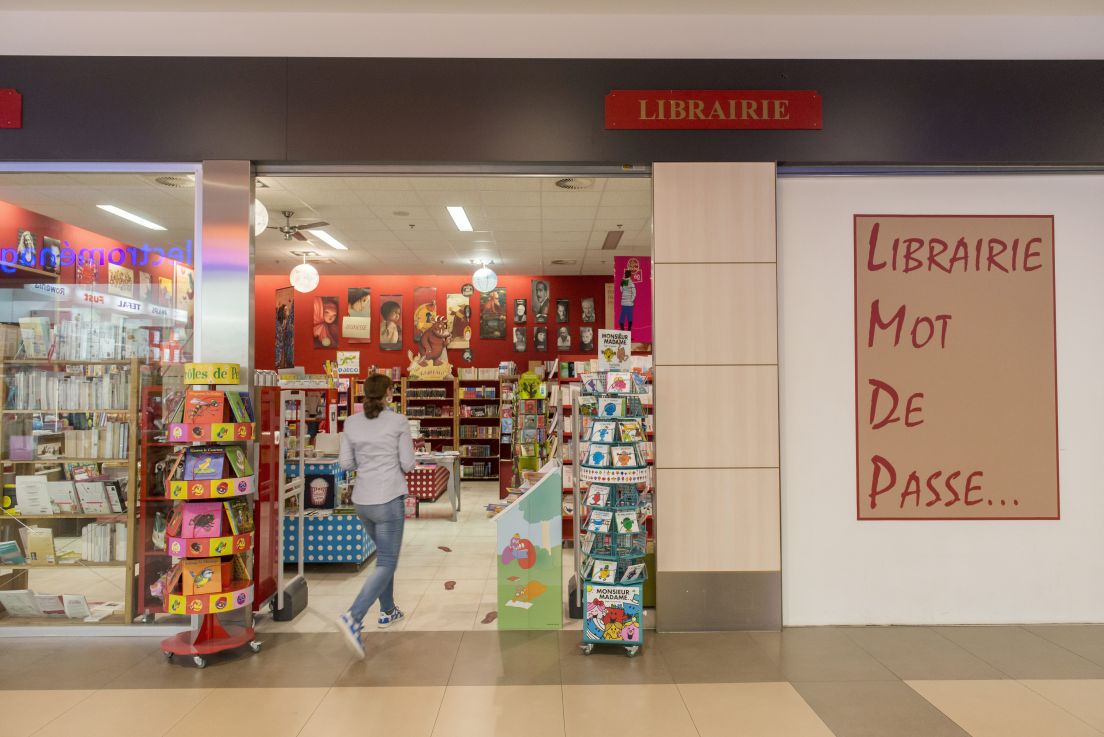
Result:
[[484, 279], [260, 217], [304, 277]]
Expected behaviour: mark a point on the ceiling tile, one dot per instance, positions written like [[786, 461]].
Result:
[[575, 212], [510, 184], [627, 198], [446, 198], [501, 226], [377, 183], [513, 212], [564, 198], [553, 226], [622, 213], [313, 183], [623, 183], [397, 199]]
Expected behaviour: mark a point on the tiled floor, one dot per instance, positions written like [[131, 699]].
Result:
[[815, 682]]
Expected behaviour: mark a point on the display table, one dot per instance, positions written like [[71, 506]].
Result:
[[333, 538], [425, 484]]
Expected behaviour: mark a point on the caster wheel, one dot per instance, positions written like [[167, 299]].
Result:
[[587, 649], [199, 662], [255, 646], [168, 656], [632, 651]]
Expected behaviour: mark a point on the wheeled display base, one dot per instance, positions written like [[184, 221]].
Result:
[[211, 637], [630, 650]]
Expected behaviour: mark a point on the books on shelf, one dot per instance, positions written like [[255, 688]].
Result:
[[239, 513], [202, 519], [38, 545], [86, 388], [104, 542], [32, 495], [50, 605]]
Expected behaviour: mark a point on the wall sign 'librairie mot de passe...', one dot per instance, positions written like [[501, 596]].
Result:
[[955, 367], [713, 110]]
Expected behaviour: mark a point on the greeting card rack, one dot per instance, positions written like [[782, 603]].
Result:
[[210, 533], [613, 540]]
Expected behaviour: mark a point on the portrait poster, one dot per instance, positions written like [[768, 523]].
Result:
[[589, 314], [586, 339], [492, 314], [184, 289], [87, 271], [459, 320], [563, 311], [145, 285], [325, 332], [356, 325], [563, 338], [521, 311], [320, 492], [633, 305], [164, 290], [955, 370], [120, 280], [51, 255], [521, 342], [390, 331], [541, 301], [425, 310], [285, 327], [540, 339], [26, 249]]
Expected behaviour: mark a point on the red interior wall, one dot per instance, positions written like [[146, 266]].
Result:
[[485, 353], [14, 218]]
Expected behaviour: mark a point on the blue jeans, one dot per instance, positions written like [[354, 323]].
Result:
[[384, 523], [624, 320]]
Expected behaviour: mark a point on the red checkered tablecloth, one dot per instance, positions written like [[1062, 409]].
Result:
[[428, 484]]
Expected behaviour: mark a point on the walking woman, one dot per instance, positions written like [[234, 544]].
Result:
[[378, 445]]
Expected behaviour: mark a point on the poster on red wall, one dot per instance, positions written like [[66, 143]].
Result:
[[391, 322], [458, 307], [425, 310], [285, 328], [356, 326], [325, 330], [632, 284], [492, 314]]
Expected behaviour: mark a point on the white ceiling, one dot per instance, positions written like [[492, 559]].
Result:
[[522, 224], [586, 7]]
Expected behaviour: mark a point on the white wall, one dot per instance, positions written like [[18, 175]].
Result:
[[839, 571]]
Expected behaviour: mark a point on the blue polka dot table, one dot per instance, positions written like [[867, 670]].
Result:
[[335, 538]]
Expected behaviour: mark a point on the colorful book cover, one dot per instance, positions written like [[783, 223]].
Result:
[[204, 407], [613, 613], [632, 432], [603, 432], [239, 512], [605, 571], [587, 543], [611, 407], [633, 407], [247, 404], [82, 471], [239, 460], [116, 497], [619, 382], [588, 406], [640, 383], [624, 456], [202, 519], [635, 573], [93, 497], [242, 571], [237, 409], [627, 522], [204, 465], [63, 496], [172, 406], [176, 521], [600, 521], [598, 495], [202, 576], [590, 383], [598, 457]]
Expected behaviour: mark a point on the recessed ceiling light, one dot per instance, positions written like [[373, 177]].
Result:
[[131, 217], [613, 238], [329, 239], [460, 218]]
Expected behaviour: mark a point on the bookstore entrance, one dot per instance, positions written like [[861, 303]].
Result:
[[483, 300]]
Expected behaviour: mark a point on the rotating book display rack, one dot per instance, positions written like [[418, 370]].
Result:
[[210, 532], [613, 540]]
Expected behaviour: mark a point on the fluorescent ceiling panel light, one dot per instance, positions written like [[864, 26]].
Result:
[[460, 218], [329, 239], [131, 217], [613, 238]]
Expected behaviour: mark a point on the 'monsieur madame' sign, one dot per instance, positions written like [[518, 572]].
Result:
[[955, 369]]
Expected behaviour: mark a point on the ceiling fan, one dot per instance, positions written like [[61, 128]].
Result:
[[292, 231]]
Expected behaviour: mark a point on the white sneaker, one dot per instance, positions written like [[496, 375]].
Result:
[[351, 630], [386, 619]]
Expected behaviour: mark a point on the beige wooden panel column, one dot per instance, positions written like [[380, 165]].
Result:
[[716, 388]]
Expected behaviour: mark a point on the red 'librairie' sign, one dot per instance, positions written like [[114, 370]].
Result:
[[11, 109], [713, 110]]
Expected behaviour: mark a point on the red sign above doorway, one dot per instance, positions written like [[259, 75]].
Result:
[[11, 109], [713, 110]]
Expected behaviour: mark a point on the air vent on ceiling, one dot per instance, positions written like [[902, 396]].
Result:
[[177, 181], [313, 257], [564, 262], [613, 239], [574, 183]]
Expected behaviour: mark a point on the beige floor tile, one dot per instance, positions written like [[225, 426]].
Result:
[[655, 710], [35, 709], [151, 712], [274, 712], [402, 711], [1001, 709], [481, 711], [486, 605], [1084, 699], [460, 586], [764, 709]]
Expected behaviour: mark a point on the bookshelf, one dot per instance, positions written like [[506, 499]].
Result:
[[479, 428], [507, 390], [436, 406], [69, 443]]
